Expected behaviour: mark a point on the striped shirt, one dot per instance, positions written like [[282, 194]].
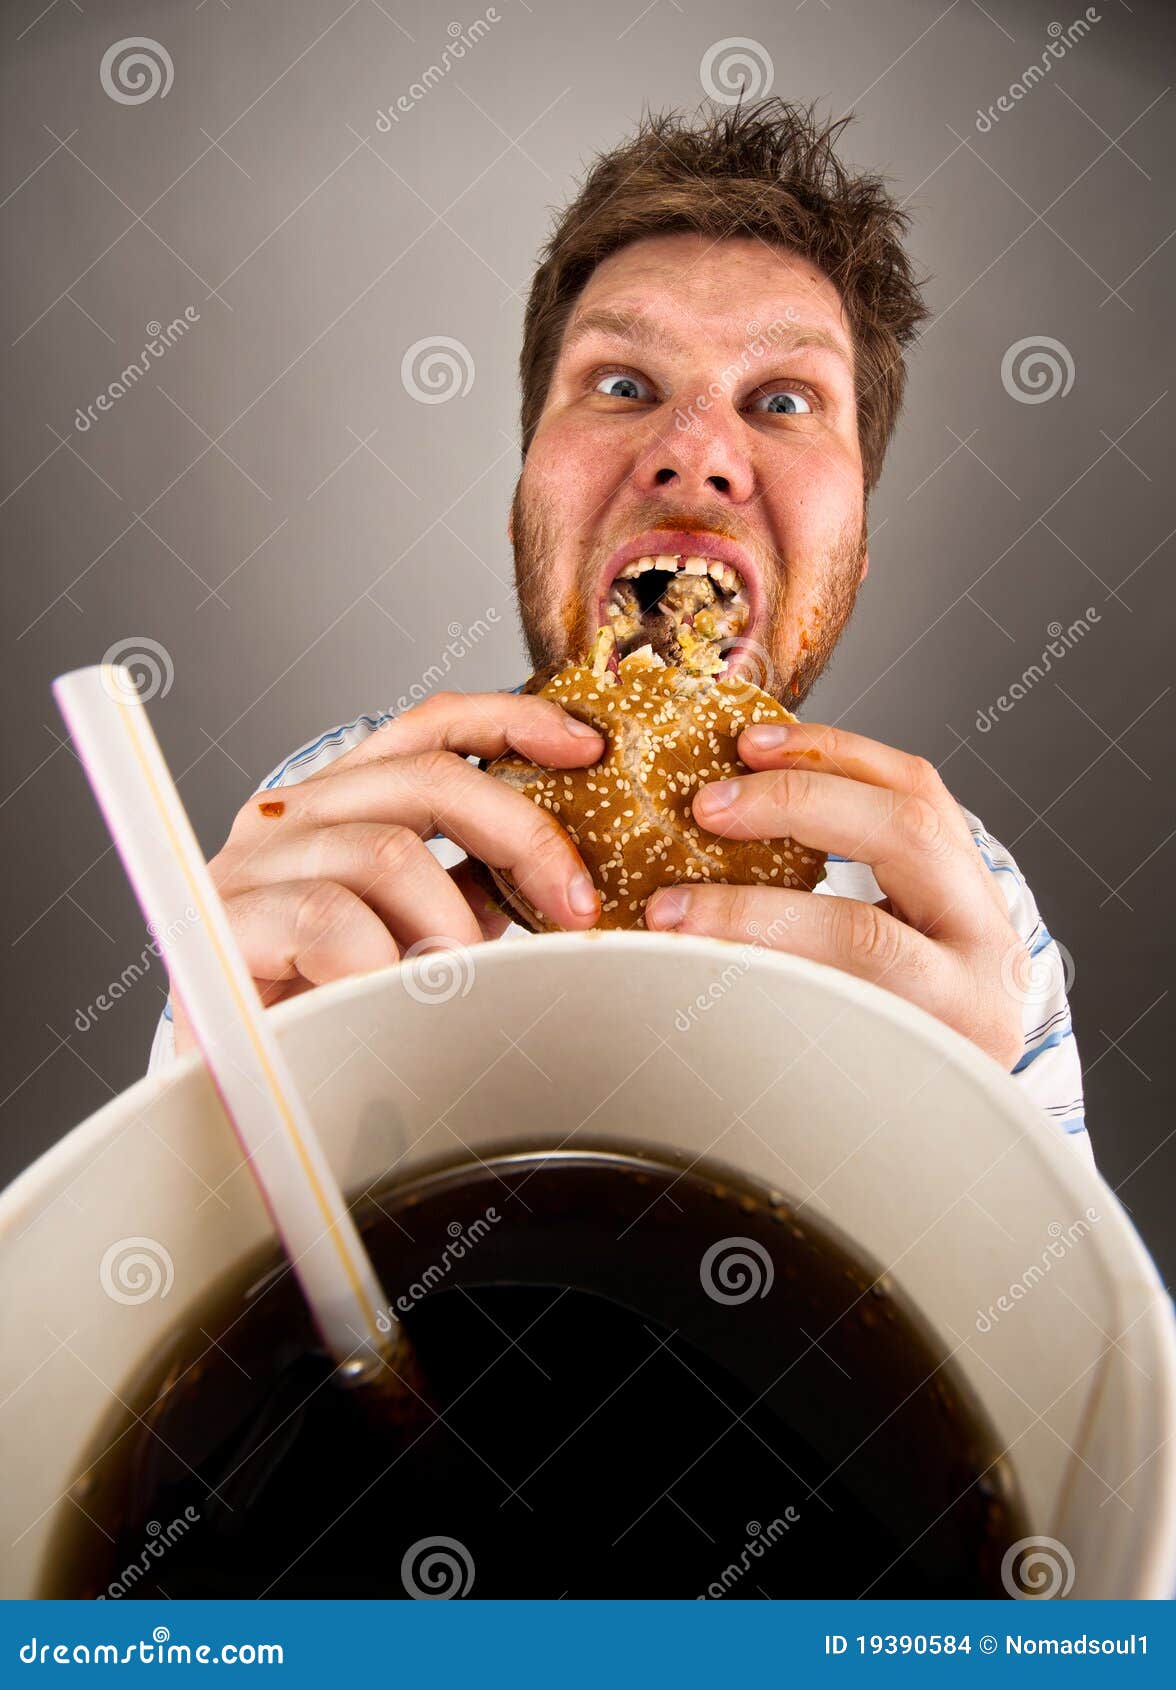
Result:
[[1048, 1072]]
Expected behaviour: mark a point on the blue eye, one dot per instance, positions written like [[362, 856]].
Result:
[[621, 386], [787, 403]]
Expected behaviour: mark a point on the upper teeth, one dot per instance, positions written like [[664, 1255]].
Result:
[[727, 577]]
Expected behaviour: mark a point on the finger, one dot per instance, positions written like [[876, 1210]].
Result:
[[933, 876], [481, 725], [439, 792], [778, 745], [846, 933], [314, 930], [389, 867], [488, 912]]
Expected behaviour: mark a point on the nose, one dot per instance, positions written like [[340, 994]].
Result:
[[699, 454]]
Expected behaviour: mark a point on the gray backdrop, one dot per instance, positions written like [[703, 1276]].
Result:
[[291, 536]]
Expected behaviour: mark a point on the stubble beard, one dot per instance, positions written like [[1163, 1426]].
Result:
[[558, 632]]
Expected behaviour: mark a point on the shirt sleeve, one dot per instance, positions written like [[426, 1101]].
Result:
[[1049, 1071]]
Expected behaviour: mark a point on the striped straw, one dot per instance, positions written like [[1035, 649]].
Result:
[[170, 879]]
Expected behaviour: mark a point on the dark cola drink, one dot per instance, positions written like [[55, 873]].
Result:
[[629, 1380]]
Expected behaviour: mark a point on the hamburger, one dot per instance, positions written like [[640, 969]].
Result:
[[661, 687]]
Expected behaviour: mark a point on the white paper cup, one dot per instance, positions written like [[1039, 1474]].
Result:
[[836, 1094]]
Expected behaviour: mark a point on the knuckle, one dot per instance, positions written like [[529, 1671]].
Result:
[[740, 910], [431, 768], [392, 852], [920, 827], [791, 791], [322, 905], [924, 775], [864, 931], [833, 746]]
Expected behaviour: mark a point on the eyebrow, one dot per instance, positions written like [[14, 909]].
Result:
[[634, 326]]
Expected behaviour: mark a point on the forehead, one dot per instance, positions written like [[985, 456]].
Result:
[[715, 290]]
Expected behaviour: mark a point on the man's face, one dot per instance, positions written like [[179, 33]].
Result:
[[705, 388]]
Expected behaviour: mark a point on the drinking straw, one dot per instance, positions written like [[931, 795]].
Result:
[[166, 868]]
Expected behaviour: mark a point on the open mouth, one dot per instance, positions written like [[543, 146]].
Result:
[[689, 610]]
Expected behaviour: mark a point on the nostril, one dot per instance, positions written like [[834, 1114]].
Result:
[[719, 483], [662, 476]]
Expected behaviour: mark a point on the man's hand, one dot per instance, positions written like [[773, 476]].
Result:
[[332, 877], [942, 939]]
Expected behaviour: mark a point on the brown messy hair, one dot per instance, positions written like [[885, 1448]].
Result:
[[766, 171]]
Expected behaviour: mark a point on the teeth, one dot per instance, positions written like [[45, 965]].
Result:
[[723, 574]]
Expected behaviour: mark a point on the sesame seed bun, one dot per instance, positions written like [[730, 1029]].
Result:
[[667, 733]]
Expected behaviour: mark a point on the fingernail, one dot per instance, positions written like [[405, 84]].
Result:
[[668, 908], [768, 736], [582, 895], [718, 795], [581, 730]]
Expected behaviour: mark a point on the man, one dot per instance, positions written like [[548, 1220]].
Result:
[[713, 351]]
